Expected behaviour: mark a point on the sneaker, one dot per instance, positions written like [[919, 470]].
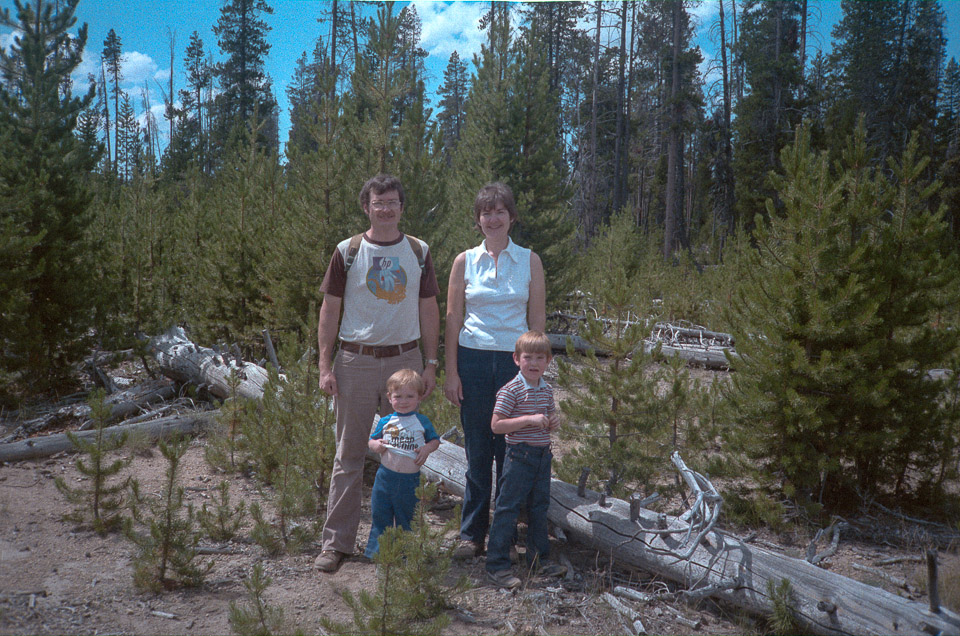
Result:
[[504, 579], [467, 550], [329, 560], [549, 568]]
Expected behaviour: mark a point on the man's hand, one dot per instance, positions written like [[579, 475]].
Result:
[[429, 376], [328, 382]]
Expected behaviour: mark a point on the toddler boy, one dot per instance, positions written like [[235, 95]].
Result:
[[403, 439]]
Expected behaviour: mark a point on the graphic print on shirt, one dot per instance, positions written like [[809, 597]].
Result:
[[386, 280], [400, 439]]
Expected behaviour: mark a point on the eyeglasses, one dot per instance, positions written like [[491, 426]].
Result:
[[385, 205]]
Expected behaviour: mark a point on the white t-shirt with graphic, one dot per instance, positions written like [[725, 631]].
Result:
[[381, 292], [404, 434]]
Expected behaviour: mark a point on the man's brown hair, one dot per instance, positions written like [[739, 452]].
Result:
[[378, 185]]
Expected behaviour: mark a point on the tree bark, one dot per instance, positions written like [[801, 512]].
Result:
[[123, 404], [185, 362], [154, 429], [670, 225]]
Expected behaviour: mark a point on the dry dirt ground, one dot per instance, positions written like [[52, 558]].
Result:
[[58, 579]]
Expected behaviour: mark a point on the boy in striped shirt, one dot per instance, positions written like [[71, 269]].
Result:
[[525, 413]]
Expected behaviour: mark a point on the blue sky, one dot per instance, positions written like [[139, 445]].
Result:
[[145, 27]]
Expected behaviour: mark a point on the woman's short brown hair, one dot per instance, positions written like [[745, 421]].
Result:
[[490, 196]]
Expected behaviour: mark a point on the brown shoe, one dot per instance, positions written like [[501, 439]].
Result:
[[467, 550], [329, 560], [504, 579]]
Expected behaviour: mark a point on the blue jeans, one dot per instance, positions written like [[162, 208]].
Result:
[[392, 502], [482, 373], [526, 484]]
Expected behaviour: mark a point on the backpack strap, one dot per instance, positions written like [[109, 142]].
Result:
[[354, 247], [352, 250], [418, 251]]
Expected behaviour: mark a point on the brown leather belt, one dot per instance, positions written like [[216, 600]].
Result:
[[382, 351]]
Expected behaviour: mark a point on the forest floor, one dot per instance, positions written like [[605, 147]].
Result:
[[58, 579]]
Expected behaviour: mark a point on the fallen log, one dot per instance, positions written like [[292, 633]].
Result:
[[183, 361], [719, 565], [122, 405], [37, 447], [709, 357]]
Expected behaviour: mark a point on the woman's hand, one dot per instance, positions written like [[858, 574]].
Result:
[[452, 389]]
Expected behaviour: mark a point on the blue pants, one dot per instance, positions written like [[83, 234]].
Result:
[[525, 484], [482, 373], [393, 502]]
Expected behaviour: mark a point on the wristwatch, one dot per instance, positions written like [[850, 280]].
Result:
[[432, 361]]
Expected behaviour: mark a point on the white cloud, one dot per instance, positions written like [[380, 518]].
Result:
[[449, 27], [137, 67]]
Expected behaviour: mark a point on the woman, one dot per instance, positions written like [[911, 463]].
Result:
[[496, 293]]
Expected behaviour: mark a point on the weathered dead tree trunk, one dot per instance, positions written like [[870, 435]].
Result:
[[718, 565], [185, 362], [696, 345], [709, 357], [154, 429], [123, 404]]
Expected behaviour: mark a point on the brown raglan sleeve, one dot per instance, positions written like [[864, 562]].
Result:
[[335, 280], [428, 281]]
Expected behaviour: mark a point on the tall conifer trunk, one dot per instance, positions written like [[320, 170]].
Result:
[[670, 224]]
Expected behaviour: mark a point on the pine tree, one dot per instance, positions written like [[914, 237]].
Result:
[[260, 618], [222, 522], [188, 146], [42, 176], [380, 84], [245, 90], [166, 552], [530, 159], [112, 60], [510, 134], [289, 439], [948, 129], [452, 94], [614, 412], [887, 65], [836, 330], [243, 206], [322, 174], [768, 50], [128, 146], [98, 506]]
